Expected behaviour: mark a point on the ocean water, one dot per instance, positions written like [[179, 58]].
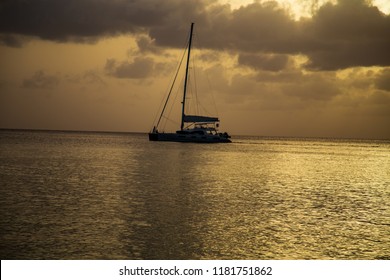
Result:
[[68, 195]]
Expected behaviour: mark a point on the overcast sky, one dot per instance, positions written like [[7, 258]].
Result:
[[274, 68]]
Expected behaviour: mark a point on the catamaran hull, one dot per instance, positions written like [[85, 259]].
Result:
[[176, 137]]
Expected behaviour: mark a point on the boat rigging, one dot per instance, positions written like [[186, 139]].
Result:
[[193, 128]]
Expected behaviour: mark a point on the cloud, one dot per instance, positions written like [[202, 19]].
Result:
[[11, 40], [269, 62], [86, 20], [41, 80], [380, 98], [313, 87], [64, 20], [252, 28], [350, 33], [383, 80], [147, 45], [346, 34], [138, 69]]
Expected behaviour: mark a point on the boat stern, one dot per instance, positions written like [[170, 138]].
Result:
[[153, 136]]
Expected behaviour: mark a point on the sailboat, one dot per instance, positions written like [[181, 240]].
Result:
[[193, 128]]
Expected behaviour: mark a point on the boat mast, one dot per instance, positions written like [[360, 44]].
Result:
[[186, 78]]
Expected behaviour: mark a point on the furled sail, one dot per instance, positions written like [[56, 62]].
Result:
[[200, 119]]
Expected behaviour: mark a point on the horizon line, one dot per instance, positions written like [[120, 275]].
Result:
[[233, 135]]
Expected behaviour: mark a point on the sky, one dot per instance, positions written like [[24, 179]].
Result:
[[273, 68]]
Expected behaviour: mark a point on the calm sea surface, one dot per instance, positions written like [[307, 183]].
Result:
[[67, 195]]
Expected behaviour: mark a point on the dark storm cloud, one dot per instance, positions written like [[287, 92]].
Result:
[[351, 33], [346, 34], [338, 36], [83, 20], [254, 28]]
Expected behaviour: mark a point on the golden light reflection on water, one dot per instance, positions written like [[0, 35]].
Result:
[[121, 197], [277, 200]]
